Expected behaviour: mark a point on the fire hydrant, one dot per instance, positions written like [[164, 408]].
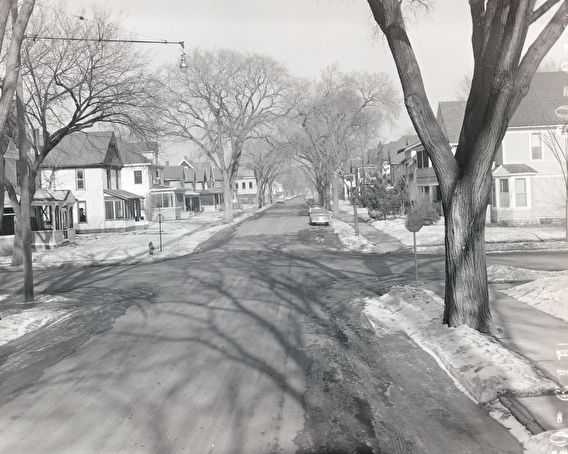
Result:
[[151, 248]]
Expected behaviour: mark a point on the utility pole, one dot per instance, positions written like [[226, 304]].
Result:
[[355, 201]]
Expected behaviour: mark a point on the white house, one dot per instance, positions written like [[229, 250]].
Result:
[[89, 164], [528, 176], [141, 172]]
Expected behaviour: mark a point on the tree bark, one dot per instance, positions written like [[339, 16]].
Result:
[[26, 195], [228, 196], [502, 75], [335, 188], [466, 293]]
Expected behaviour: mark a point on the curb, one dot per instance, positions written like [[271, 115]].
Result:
[[522, 415]]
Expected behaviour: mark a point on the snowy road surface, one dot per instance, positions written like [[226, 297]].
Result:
[[257, 343]]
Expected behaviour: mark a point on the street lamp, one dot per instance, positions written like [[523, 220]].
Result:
[[183, 61]]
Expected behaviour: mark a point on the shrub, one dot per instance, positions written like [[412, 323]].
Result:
[[382, 200], [427, 211]]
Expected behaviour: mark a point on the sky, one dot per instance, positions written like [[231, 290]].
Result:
[[308, 36]]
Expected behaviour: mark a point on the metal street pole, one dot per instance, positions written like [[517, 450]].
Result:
[[355, 202], [415, 260], [160, 227]]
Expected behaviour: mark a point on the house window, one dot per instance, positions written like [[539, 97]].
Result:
[[244, 185], [114, 209], [137, 177], [82, 208], [236, 185], [119, 209], [504, 193], [157, 177], [536, 147], [250, 184], [80, 178], [422, 159], [109, 209], [162, 200], [521, 192]]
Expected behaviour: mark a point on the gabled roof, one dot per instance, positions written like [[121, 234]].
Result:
[[132, 153], [450, 117], [545, 95], [174, 173], [245, 173], [202, 169], [538, 107], [186, 163], [84, 149], [391, 149]]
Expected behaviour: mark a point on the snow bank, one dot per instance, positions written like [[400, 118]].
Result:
[[497, 274], [478, 362], [547, 294], [349, 240]]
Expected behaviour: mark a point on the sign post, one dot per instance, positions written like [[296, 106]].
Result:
[[413, 224]]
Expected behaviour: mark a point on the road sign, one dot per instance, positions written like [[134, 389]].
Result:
[[414, 223]]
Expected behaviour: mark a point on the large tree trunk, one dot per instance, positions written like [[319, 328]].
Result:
[[466, 294], [2, 180], [335, 186], [26, 195], [228, 196]]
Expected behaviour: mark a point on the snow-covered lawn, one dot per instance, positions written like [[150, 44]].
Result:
[[179, 237], [433, 235]]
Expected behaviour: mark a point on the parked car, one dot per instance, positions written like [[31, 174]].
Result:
[[319, 216], [280, 199]]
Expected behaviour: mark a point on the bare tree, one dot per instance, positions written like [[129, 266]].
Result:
[[225, 99], [504, 64], [73, 77], [268, 158], [338, 121], [10, 82]]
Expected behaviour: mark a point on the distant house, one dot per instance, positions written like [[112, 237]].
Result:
[[245, 187], [207, 183], [169, 198], [141, 172], [528, 173], [89, 164]]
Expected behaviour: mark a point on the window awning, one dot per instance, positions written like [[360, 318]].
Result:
[[123, 195]]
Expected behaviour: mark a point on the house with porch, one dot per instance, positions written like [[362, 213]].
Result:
[[207, 183], [528, 176], [89, 164], [51, 213]]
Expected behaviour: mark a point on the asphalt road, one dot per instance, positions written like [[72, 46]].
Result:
[[254, 344]]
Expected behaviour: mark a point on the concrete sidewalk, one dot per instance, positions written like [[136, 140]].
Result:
[[533, 334], [386, 243]]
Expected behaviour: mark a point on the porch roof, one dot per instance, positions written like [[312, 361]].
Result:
[[210, 191], [159, 189], [120, 194], [53, 197], [514, 169]]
